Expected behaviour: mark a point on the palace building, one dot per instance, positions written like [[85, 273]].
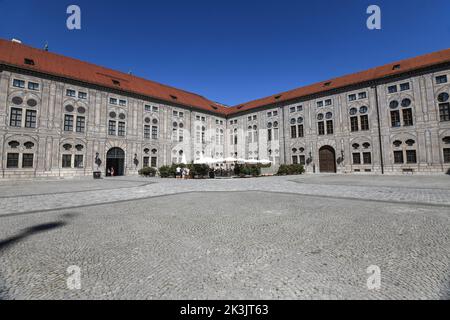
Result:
[[63, 117]]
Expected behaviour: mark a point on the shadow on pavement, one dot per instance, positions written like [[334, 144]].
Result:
[[4, 244], [40, 228]]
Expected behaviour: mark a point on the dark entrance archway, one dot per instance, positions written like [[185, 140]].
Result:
[[115, 162], [327, 160]]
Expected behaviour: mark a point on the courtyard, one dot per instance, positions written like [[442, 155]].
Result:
[[298, 237]]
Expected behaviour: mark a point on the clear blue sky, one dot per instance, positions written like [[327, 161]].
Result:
[[232, 51]]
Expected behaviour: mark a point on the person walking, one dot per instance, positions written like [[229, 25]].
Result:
[[178, 172]]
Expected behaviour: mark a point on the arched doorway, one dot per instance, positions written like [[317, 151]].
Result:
[[115, 162], [327, 160]]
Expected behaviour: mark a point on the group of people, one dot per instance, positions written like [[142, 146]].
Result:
[[183, 173]]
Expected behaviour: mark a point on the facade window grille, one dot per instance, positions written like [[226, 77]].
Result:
[[27, 160], [16, 117], [411, 156], [81, 124], [67, 161], [395, 119], [68, 122], [30, 119], [12, 161], [407, 117], [112, 128]]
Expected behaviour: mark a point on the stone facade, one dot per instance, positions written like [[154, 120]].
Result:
[[51, 127]]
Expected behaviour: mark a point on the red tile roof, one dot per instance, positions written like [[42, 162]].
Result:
[[391, 69], [14, 54]]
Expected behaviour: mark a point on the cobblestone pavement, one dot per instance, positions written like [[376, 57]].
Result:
[[308, 237], [200, 246], [25, 197]]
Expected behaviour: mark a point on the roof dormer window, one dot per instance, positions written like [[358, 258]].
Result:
[[29, 62]]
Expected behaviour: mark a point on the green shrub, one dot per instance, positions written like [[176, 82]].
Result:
[[293, 169], [147, 172], [198, 170], [167, 172], [247, 170]]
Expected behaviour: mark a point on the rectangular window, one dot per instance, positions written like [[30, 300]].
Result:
[[146, 162], [250, 137], [293, 132], [12, 160], [446, 155], [30, 119], [367, 158], [122, 103], [275, 113], [113, 101], [356, 158], [441, 79], [328, 102], [444, 111], [365, 123], [175, 113], [354, 126], [181, 135], [299, 108], [71, 93], [407, 117], [269, 114], [121, 131], [321, 128], [330, 127], [19, 83], [27, 160], [154, 162], [395, 119], [411, 156], [146, 132], [398, 157], [302, 160], [276, 135], [155, 109], [68, 122], [404, 86], [147, 108], [294, 160], [155, 133], [269, 134], [33, 86], [319, 104], [82, 95], [181, 114], [301, 132], [362, 95], [16, 117], [79, 161], [392, 89], [352, 97], [292, 110], [81, 124], [112, 128], [67, 161]]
